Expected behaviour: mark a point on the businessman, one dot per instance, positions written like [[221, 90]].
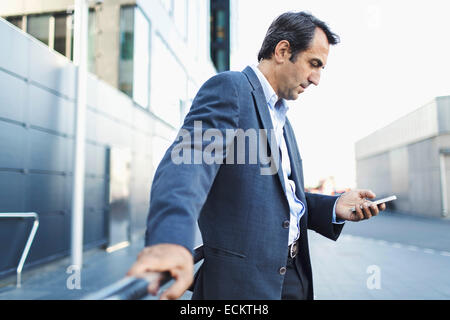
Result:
[[253, 223]]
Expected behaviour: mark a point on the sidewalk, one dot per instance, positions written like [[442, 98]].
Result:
[[409, 268], [342, 269]]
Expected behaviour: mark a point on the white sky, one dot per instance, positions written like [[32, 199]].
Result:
[[393, 58]]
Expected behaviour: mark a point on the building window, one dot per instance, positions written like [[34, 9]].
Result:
[[92, 41], [220, 34], [134, 54], [17, 21], [126, 50], [60, 41], [39, 27]]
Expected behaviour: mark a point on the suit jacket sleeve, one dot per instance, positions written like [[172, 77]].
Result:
[[320, 215], [179, 190]]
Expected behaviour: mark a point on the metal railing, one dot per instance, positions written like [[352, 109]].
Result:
[[131, 288], [20, 215]]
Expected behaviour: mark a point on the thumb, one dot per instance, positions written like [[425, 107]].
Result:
[[367, 194]]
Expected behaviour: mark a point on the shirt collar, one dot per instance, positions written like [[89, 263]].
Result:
[[269, 92]]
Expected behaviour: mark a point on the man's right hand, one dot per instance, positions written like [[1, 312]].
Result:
[[175, 259]]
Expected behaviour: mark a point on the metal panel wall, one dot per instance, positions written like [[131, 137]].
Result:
[[37, 109]]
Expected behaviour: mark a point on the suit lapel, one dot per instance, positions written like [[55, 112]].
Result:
[[294, 156], [264, 114], [296, 175]]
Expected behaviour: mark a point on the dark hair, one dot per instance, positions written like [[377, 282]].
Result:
[[296, 27]]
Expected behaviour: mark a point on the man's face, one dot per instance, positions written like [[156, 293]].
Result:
[[295, 77]]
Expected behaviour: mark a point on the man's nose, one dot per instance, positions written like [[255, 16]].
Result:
[[314, 78]]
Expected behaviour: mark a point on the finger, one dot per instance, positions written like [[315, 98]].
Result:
[[358, 212], [366, 210], [148, 263], [153, 288], [137, 268], [382, 206], [182, 282], [156, 260], [374, 210], [155, 284], [367, 194]]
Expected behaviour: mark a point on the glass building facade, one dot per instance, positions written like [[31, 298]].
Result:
[[148, 68], [55, 29], [147, 61]]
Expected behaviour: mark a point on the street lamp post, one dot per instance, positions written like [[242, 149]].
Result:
[[80, 60]]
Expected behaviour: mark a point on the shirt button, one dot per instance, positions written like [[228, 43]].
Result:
[[282, 270], [286, 224]]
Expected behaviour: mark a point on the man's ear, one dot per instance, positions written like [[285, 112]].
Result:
[[282, 51]]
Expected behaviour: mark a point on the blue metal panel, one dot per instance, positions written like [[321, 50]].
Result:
[[95, 160], [13, 236], [107, 130], [14, 54], [45, 194], [50, 111], [91, 125], [50, 238], [94, 193], [92, 91], [52, 70], [48, 151], [12, 145], [139, 217], [13, 95], [114, 103], [94, 226], [12, 196]]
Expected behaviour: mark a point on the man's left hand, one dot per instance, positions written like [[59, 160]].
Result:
[[357, 199]]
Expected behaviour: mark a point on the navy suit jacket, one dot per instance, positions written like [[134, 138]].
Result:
[[240, 212]]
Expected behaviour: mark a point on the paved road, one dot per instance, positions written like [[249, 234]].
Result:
[[410, 257]]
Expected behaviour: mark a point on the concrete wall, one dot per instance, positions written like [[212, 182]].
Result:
[[404, 159], [37, 108]]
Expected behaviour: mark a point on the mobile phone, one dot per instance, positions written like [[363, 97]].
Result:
[[384, 200]]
